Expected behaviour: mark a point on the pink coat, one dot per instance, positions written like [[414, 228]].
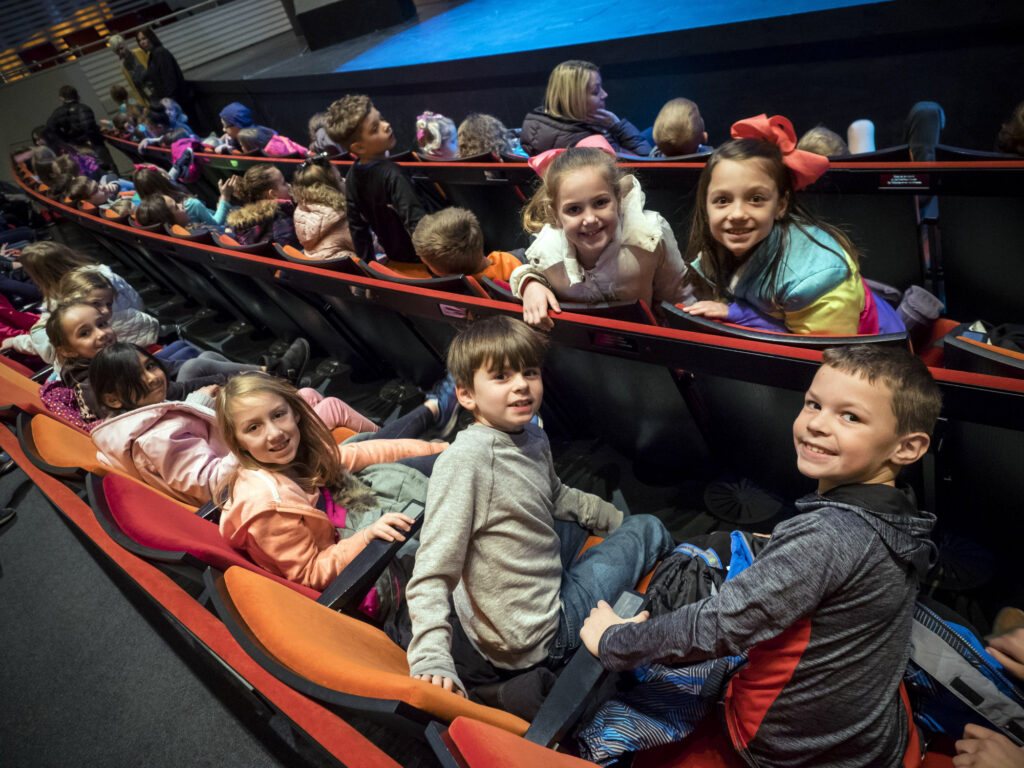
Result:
[[280, 146], [323, 231]]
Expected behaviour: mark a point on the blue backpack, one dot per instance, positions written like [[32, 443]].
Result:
[[951, 681]]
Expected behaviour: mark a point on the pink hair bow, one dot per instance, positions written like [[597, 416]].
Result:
[[540, 162], [805, 167]]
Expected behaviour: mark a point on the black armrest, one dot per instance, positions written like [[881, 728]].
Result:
[[575, 686], [348, 588]]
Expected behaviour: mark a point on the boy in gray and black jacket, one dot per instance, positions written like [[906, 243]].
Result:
[[824, 612]]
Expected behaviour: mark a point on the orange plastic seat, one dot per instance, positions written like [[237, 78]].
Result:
[[333, 657], [17, 389]]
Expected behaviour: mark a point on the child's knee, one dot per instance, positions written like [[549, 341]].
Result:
[[651, 531]]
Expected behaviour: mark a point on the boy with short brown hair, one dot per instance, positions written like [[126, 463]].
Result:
[[824, 612], [678, 129], [451, 242]]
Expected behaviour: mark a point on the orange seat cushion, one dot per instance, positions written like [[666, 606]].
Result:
[[341, 434], [480, 745], [18, 389], [402, 269], [341, 653], [64, 446]]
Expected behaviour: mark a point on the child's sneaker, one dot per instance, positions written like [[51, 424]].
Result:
[[292, 364], [447, 404], [181, 166]]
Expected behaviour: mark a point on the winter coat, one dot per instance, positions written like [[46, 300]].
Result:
[[542, 132], [265, 221], [75, 123], [321, 223], [280, 146]]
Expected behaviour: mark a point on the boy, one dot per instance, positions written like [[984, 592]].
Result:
[[377, 193], [679, 130], [824, 612], [500, 534], [451, 242]]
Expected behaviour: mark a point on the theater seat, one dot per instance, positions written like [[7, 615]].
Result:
[[346, 264], [451, 284], [111, 215], [625, 311], [341, 661], [17, 389], [203, 236], [57, 448], [965, 354], [261, 249]]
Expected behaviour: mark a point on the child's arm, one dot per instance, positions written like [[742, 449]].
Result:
[[358, 227], [837, 312], [402, 197], [591, 511], [361, 454]]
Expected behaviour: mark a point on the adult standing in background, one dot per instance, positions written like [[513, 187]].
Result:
[[163, 78], [73, 125], [133, 67]]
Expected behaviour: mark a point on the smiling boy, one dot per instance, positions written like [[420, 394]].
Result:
[[824, 612], [378, 195], [501, 533]]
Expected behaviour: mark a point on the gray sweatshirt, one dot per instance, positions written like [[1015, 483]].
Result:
[[488, 539], [824, 614]]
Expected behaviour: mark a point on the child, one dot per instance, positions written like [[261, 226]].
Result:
[[759, 258], [266, 215], [450, 242], [824, 611], [679, 130], [233, 118], [125, 126], [480, 134], [378, 195], [436, 136], [321, 224], [259, 138], [84, 189], [293, 489], [154, 182], [574, 109], [501, 533], [319, 141], [160, 129], [170, 445], [596, 242], [128, 320], [821, 141]]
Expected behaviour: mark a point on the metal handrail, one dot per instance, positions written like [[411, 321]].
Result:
[[64, 57]]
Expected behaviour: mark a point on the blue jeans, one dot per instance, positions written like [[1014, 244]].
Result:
[[602, 572]]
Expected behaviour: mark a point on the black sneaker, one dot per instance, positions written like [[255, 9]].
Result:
[[292, 364]]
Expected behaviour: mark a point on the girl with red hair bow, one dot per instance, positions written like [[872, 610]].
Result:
[[760, 259]]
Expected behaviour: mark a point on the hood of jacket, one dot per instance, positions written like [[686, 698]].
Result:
[[893, 514], [259, 214], [115, 436]]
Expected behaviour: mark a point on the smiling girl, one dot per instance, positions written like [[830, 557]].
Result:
[[595, 242]]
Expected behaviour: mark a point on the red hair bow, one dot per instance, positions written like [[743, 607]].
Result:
[[540, 162], [805, 167]]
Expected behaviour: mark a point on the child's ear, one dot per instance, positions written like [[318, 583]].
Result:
[[912, 447], [356, 148], [783, 207], [465, 397]]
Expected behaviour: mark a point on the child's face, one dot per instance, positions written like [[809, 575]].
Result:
[[154, 379], [266, 427], [595, 94], [180, 214], [588, 211], [375, 138], [846, 431], [102, 300], [743, 204], [281, 189], [86, 331], [98, 195], [504, 399], [230, 130]]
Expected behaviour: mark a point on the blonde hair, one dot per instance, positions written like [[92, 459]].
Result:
[[316, 463], [543, 205], [80, 282], [345, 118], [821, 141], [47, 262], [491, 343], [450, 241], [566, 96], [678, 128], [480, 133]]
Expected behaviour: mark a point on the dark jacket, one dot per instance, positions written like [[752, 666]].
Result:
[[165, 79], [379, 197], [542, 132], [265, 221], [824, 615], [75, 123]]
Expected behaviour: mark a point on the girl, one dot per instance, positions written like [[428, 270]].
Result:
[[153, 182], [259, 138], [320, 221], [596, 242], [84, 189], [480, 133], [293, 493], [573, 109], [171, 445], [268, 210], [436, 136], [760, 259]]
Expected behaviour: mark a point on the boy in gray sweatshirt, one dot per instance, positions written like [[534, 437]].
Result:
[[501, 534], [824, 612]]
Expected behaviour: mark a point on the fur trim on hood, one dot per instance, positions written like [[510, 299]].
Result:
[[320, 194], [258, 214]]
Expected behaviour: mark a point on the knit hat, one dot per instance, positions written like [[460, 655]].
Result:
[[236, 114]]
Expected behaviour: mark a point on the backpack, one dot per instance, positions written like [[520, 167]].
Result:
[[951, 681]]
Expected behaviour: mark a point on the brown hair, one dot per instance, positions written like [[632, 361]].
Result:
[[119, 94], [80, 282], [116, 371], [717, 264], [1011, 134], [153, 209], [47, 262], [566, 95], [450, 241], [821, 141], [540, 210], [678, 128], [491, 343], [916, 400], [480, 133], [81, 188], [254, 138], [316, 464], [258, 180], [345, 118], [42, 162], [153, 181], [55, 326], [315, 171]]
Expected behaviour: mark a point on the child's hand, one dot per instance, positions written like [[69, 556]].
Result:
[[144, 143], [111, 190], [987, 749], [1008, 650], [442, 682], [227, 188], [9, 253], [388, 527], [715, 310], [210, 390], [604, 118], [599, 620], [537, 298]]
